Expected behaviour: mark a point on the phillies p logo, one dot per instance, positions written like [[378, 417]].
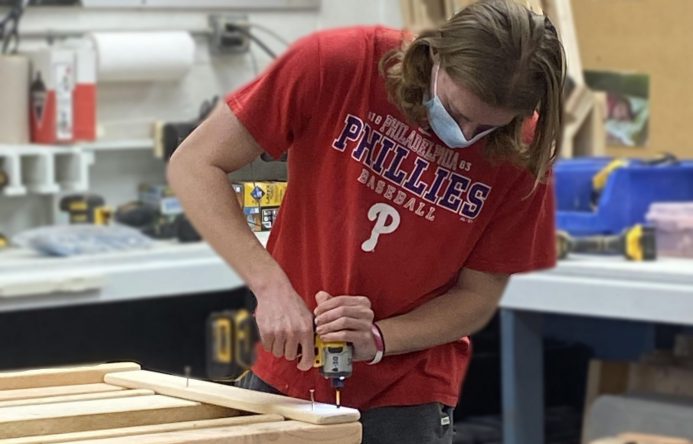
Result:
[[386, 220]]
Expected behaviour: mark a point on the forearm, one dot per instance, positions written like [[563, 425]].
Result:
[[210, 203], [442, 320]]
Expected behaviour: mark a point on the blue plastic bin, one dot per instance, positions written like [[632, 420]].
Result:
[[626, 198]]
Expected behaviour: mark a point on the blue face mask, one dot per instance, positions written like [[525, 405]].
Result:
[[442, 123]]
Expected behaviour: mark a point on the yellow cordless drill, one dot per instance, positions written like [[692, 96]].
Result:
[[334, 360], [637, 243]]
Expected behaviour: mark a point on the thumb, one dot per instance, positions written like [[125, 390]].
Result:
[[322, 296]]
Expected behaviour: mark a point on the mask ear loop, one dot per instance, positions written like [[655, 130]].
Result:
[[435, 80]]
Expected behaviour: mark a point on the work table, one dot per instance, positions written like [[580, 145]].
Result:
[[29, 280]]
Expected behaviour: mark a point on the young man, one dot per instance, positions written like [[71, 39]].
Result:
[[418, 182]]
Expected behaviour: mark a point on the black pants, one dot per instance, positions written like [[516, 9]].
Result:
[[418, 424]]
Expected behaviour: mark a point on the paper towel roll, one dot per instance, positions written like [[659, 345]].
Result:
[[14, 99], [143, 56]]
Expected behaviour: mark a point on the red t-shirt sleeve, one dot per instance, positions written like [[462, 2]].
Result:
[[521, 235], [278, 104]]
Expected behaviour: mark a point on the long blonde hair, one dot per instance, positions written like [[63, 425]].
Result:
[[509, 56]]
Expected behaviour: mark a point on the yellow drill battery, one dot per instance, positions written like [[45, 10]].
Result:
[[231, 339]]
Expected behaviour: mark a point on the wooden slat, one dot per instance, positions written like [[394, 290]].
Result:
[[285, 432], [61, 376], [142, 430], [590, 139], [234, 397], [32, 420], [44, 392], [81, 397], [561, 14]]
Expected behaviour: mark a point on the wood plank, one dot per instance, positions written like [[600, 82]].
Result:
[[590, 139], [80, 397], [661, 380], [561, 14], [604, 377], [60, 390], [32, 420], [142, 430], [61, 376], [234, 397], [285, 432]]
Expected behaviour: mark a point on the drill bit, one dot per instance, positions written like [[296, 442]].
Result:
[[337, 395], [312, 399], [187, 376]]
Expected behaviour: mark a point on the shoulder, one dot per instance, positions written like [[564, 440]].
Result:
[[356, 43]]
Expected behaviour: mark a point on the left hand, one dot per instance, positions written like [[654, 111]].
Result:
[[346, 319]]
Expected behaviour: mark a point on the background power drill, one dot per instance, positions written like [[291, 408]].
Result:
[[637, 243], [231, 339], [86, 209]]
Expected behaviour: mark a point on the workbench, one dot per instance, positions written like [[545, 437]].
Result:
[[121, 403], [604, 287], [29, 280], [660, 291]]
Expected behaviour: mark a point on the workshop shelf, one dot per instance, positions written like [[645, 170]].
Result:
[[52, 169]]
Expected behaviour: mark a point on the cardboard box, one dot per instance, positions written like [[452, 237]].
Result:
[[260, 202], [63, 95], [161, 198]]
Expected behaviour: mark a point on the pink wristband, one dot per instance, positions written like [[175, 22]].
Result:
[[379, 345]]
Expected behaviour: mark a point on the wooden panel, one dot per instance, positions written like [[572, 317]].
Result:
[[32, 420], [234, 397], [285, 432], [561, 14], [43, 392], [61, 376], [605, 378], [660, 379], [80, 397], [650, 37], [149, 429]]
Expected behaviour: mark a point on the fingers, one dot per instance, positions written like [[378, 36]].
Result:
[[307, 352], [354, 312], [291, 347], [338, 301], [343, 324], [322, 296], [353, 336]]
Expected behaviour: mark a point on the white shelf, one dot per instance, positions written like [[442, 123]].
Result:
[[51, 169], [119, 145], [29, 281]]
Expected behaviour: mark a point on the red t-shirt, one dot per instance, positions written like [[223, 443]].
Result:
[[377, 206]]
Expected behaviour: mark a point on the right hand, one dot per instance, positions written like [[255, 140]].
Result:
[[285, 323]]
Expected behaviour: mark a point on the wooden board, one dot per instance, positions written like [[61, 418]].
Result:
[[142, 430], [61, 376], [286, 432], [31, 420], [90, 404], [43, 392], [649, 37], [603, 378], [80, 397], [234, 397], [561, 14]]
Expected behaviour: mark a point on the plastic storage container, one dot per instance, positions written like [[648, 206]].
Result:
[[673, 224], [626, 198]]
